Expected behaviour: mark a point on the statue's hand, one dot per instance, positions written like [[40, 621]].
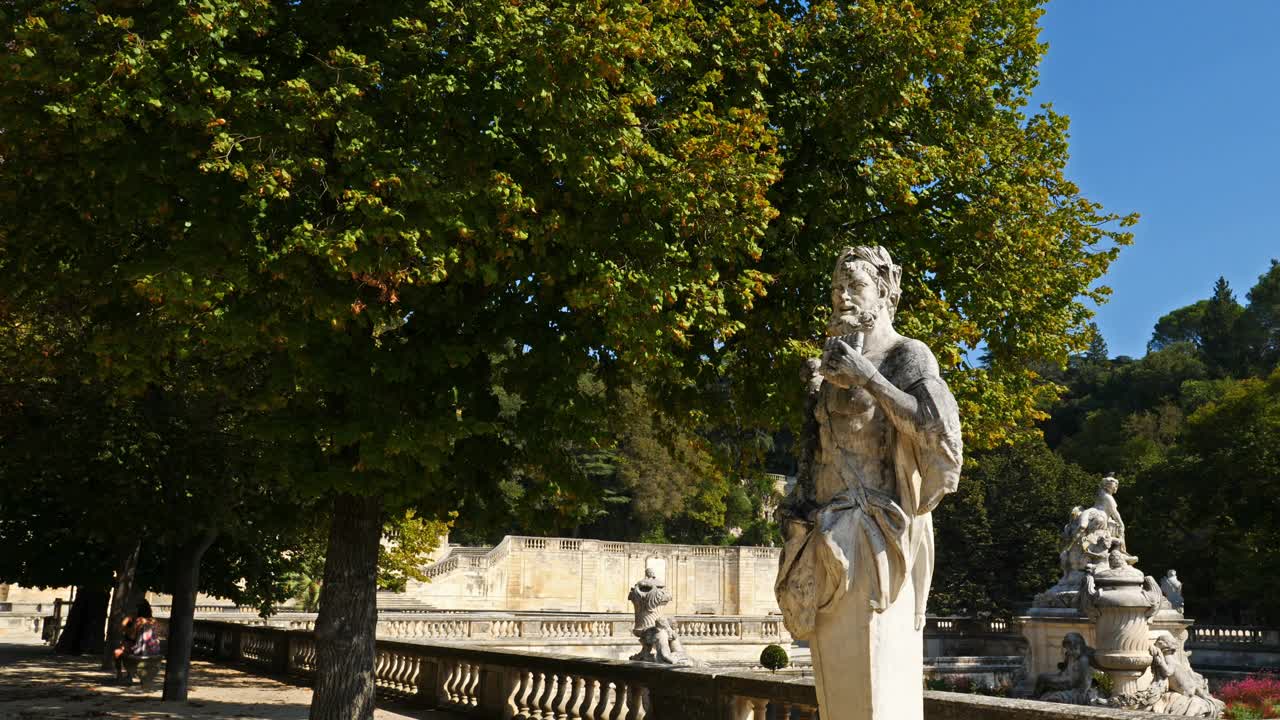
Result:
[[845, 366]]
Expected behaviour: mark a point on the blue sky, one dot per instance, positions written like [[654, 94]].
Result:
[[1175, 114]]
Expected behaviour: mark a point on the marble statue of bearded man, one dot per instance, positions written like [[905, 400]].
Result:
[[881, 449]]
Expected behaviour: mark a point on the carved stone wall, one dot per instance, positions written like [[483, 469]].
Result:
[[572, 575]]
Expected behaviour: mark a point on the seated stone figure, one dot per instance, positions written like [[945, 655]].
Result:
[[1073, 683], [662, 644], [1176, 689]]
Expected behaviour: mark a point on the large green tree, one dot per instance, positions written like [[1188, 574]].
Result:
[[390, 210]]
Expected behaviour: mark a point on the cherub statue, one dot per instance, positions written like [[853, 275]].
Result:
[[1176, 689], [1073, 682], [658, 639]]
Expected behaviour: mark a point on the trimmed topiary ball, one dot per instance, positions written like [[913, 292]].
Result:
[[774, 658]]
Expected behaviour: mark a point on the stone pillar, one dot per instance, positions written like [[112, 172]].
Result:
[[515, 575], [686, 587], [589, 596], [741, 596]]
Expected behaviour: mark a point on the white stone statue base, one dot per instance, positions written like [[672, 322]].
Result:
[[869, 665]]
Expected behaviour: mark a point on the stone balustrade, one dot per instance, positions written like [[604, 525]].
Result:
[[1234, 635], [533, 628], [491, 683]]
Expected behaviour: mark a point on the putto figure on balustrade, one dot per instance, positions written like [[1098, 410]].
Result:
[[881, 448], [659, 641]]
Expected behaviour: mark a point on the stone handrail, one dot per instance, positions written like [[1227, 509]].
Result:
[[504, 684]]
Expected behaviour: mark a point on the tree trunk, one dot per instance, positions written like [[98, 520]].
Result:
[[186, 582], [85, 621], [348, 618], [122, 600]]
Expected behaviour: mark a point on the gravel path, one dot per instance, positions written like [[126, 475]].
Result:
[[35, 684]]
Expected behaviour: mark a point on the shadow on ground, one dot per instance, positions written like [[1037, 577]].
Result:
[[37, 684]]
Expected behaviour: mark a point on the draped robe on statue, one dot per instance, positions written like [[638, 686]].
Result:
[[855, 580]]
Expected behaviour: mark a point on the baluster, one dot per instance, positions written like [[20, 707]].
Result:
[[461, 678], [411, 677], [469, 682], [395, 671], [523, 705], [510, 710], [464, 684], [472, 695], [784, 711], [379, 669], [593, 700], [535, 702], [759, 708], [398, 666], [412, 666], [579, 694], [450, 682], [446, 673], [549, 700], [640, 698], [566, 692], [388, 670], [624, 690], [610, 694]]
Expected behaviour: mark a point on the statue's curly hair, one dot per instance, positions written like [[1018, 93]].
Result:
[[888, 275]]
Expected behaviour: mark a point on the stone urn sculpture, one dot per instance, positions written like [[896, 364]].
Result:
[[1120, 601]]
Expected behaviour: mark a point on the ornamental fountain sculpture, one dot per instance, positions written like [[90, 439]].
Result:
[[880, 448], [1136, 624]]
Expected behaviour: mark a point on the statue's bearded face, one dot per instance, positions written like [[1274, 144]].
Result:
[[856, 300]]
